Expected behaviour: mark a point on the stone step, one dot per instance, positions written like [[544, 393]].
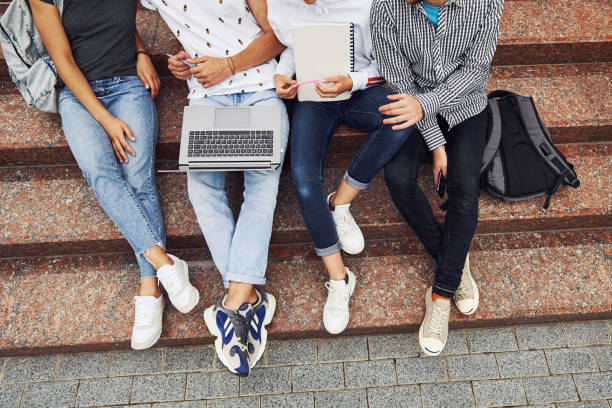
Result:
[[569, 99], [51, 211], [85, 303]]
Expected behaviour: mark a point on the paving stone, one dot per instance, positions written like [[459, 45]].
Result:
[[392, 346], [246, 402], [584, 404], [10, 395], [49, 394], [104, 391], [211, 385], [189, 359], [318, 377], [292, 352], [603, 355], [539, 337], [594, 386], [456, 343], [29, 369], [421, 370], [369, 374], [267, 380], [83, 365], [472, 367], [158, 388], [499, 393], [491, 340], [132, 406], [136, 362], [522, 364], [404, 396], [341, 399], [184, 404], [301, 400], [448, 395], [541, 390], [587, 333], [572, 360], [343, 349]]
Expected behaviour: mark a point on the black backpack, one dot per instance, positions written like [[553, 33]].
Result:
[[520, 161]]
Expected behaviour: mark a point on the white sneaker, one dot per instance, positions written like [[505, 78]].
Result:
[[467, 297], [175, 279], [434, 329], [148, 312], [349, 234], [336, 309]]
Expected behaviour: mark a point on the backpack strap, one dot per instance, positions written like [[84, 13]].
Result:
[[500, 93], [59, 4], [495, 138]]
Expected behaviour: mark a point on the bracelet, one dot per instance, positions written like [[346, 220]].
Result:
[[143, 52], [230, 64]]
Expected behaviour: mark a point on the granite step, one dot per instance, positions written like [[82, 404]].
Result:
[[51, 210], [570, 99], [85, 303]]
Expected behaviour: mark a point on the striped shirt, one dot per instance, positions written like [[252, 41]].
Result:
[[445, 67]]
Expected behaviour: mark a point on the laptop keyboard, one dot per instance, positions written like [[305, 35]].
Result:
[[230, 143]]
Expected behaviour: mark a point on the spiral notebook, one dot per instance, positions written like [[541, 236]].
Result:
[[321, 51]]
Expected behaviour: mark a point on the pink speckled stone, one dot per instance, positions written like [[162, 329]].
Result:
[[85, 303]]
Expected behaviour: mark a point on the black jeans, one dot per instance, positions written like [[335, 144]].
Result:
[[448, 244]]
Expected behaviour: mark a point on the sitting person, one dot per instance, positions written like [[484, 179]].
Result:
[[329, 220], [436, 55], [110, 123], [233, 49]]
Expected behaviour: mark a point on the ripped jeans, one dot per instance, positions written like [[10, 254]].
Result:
[[126, 191]]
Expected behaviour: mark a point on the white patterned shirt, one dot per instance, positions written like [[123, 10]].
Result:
[[445, 68], [219, 28]]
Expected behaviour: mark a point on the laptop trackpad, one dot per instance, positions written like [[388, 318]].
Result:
[[232, 118]]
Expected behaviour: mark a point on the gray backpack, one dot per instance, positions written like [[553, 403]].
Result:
[[30, 66], [520, 161]]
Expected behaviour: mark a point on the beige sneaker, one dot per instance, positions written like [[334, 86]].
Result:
[[434, 329], [467, 296]]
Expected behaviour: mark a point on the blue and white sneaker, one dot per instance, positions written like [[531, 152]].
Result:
[[263, 311], [231, 328]]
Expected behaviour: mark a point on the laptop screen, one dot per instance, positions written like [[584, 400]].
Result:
[[232, 117]]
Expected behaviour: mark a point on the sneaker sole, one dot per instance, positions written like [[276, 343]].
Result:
[[194, 297], [264, 333], [214, 330], [476, 300], [352, 251], [149, 344]]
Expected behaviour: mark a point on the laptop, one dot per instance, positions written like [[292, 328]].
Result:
[[230, 138]]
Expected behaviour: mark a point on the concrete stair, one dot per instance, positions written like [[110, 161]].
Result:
[[67, 277]]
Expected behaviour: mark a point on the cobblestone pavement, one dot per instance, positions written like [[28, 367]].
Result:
[[557, 365]]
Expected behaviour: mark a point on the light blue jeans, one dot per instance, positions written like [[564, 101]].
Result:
[[126, 191], [239, 248]]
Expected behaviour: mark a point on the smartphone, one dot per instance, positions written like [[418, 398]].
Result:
[[441, 186], [183, 61]]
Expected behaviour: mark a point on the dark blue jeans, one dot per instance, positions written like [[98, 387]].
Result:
[[313, 125], [448, 244]]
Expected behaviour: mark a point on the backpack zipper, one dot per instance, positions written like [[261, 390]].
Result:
[[15, 48]]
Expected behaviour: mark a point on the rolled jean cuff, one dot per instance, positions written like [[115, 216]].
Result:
[[146, 268], [329, 250], [443, 292], [354, 183], [253, 280]]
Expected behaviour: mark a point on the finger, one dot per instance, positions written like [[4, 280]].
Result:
[[404, 125], [197, 60], [122, 155], [395, 97], [117, 154], [444, 171], [335, 78], [390, 106], [126, 146], [182, 55], [128, 132], [396, 119], [153, 85], [436, 173], [145, 82], [176, 64], [396, 112]]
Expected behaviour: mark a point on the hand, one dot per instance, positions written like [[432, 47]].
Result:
[[177, 68], [285, 86], [406, 109], [147, 74], [439, 162], [209, 71], [340, 84], [116, 130]]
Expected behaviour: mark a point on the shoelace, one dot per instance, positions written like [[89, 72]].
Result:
[[336, 295], [241, 328], [346, 224], [438, 317], [145, 309], [172, 281], [462, 290]]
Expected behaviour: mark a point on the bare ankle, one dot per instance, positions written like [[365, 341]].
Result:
[[149, 287], [157, 257]]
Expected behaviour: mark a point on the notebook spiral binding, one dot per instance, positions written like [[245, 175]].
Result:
[[352, 49]]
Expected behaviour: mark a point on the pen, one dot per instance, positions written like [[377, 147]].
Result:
[[183, 61]]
